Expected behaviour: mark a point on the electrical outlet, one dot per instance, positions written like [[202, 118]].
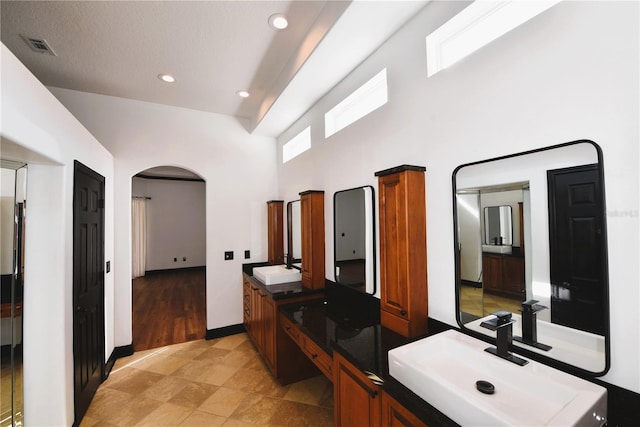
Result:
[[184, 258], [247, 254], [228, 255], [175, 260]]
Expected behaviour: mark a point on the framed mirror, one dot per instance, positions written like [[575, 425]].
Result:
[[553, 274], [498, 228], [294, 235], [354, 239], [13, 204]]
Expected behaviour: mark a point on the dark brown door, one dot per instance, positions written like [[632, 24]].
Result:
[[577, 248], [88, 286]]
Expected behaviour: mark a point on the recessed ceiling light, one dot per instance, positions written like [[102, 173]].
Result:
[[278, 21], [167, 78], [242, 94]]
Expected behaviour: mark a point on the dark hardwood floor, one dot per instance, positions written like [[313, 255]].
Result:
[[168, 308]]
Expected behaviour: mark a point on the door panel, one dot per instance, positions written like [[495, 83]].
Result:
[[577, 249], [88, 286]]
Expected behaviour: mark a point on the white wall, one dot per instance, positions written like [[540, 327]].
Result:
[[176, 222], [41, 132], [239, 170], [568, 74]]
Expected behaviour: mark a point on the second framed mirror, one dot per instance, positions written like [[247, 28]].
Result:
[[354, 238]]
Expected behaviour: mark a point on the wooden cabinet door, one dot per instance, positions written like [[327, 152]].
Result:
[[275, 232], [305, 239], [356, 398], [403, 250], [513, 276], [394, 250], [312, 238], [256, 317], [246, 304], [269, 331], [396, 415], [492, 272]]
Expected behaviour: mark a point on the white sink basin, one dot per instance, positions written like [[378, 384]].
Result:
[[276, 274], [498, 249], [443, 370]]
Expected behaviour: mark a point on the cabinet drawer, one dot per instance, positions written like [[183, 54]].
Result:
[[290, 329], [318, 356]]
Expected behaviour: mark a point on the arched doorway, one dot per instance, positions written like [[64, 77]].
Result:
[[168, 256]]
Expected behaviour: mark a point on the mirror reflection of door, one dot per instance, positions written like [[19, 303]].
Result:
[[576, 250], [12, 233]]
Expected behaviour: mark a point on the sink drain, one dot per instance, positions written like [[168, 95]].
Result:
[[485, 387]]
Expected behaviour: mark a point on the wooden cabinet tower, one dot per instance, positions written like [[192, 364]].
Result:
[[403, 250], [275, 232], [312, 232]]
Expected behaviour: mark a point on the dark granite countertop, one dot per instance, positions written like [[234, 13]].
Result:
[[365, 343]]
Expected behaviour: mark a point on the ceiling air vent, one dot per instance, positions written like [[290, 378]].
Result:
[[38, 45]]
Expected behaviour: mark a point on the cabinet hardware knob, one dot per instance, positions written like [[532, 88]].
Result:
[[403, 312], [314, 356]]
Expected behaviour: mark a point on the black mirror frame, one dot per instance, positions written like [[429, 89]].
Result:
[[520, 350], [373, 234]]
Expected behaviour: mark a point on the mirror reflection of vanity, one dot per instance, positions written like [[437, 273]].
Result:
[[553, 200], [354, 238]]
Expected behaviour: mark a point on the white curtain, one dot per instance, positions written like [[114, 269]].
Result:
[[138, 236]]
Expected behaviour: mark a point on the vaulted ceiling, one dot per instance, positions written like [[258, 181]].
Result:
[[212, 48]]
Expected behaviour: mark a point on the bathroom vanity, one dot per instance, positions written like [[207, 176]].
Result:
[[262, 323], [335, 331], [503, 274]]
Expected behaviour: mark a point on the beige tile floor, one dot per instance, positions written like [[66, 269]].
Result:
[[221, 382]]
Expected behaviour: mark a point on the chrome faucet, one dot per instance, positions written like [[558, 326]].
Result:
[[529, 326], [503, 325]]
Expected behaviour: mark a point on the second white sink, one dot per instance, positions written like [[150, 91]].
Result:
[[443, 370], [276, 274]]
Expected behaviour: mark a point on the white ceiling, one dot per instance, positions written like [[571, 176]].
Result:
[[213, 48]]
